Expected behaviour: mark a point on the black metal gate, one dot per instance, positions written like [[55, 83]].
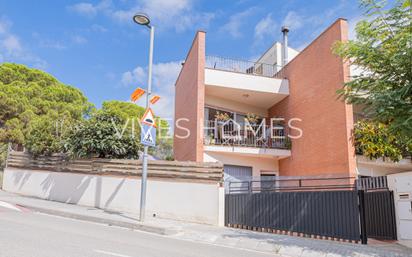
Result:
[[380, 220], [325, 213], [336, 210]]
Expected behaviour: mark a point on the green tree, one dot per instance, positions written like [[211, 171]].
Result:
[[114, 132], [99, 136], [375, 140], [31, 102], [47, 135], [129, 113], [27, 95], [382, 50]]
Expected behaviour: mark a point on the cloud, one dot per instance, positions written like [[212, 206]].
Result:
[[293, 20], [48, 43], [136, 76], [98, 28], [164, 78], [177, 14], [88, 9], [85, 9], [110, 75], [4, 25], [12, 49], [77, 39], [12, 44], [266, 27], [234, 25], [52, 45]]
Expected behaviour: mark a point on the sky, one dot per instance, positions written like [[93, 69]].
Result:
[[96, 47]]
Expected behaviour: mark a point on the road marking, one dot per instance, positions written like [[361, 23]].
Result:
[[111, 253], [9, 206]]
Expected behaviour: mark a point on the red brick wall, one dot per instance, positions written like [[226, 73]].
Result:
[[189, 103], [314, 76]]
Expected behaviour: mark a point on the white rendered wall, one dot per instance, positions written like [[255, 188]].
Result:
[[274, 54], [193, 202], [401, 184], [258, 164], [249, 82], [380, 167], [371, 170]]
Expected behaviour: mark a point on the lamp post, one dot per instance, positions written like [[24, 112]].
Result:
[[143, 19]]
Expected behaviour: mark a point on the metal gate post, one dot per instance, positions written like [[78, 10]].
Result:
[[364, 235]]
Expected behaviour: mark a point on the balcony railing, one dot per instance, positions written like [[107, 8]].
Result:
[[231, 133], [246, 67]]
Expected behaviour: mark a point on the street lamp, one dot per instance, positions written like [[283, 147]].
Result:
[[143, 19]]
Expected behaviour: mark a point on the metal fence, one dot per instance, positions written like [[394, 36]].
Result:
[[285, 184], [324, 213], [372, 183], [235, 134], [317, 206], [242, 66]]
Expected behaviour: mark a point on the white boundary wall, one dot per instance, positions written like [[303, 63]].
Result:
[[179, 200], [401, 185]]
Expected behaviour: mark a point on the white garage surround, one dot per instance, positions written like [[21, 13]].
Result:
[[179, 200]]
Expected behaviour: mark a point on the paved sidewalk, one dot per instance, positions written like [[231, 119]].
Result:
[[279, 245]]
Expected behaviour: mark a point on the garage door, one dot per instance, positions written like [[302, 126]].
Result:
[[237, 177], [237, 173]]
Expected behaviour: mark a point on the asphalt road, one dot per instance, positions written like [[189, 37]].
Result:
[[28, 234]]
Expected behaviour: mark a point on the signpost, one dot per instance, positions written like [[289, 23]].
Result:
[[143, 19], [148, 133], [147, 138]]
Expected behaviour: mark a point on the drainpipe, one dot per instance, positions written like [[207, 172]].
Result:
[[285, 31]]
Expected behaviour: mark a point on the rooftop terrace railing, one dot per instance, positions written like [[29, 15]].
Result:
[[246, 67]]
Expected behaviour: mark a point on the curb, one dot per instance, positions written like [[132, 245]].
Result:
[[135, 226]]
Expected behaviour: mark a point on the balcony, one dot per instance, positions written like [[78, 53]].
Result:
[[247, 139], [255, 84], [242, 66]]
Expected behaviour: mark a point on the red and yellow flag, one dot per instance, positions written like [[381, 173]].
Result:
[[154, 99], [137, 94]]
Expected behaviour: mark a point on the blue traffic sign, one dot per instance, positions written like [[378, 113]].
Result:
[[148, 135]]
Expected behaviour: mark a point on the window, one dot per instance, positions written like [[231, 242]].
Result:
[[267, 181], [210, 113]]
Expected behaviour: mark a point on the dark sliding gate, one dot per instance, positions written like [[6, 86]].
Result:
[[336, 211], [327, 213]]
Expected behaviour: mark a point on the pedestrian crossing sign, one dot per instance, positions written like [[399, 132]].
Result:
[[148, 135]]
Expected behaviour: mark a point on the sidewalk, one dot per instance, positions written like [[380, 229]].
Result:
[[279, 245]]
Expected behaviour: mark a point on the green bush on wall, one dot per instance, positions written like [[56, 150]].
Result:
[[375, 140]]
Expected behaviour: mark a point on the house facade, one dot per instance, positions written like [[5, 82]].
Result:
[[276, 116]]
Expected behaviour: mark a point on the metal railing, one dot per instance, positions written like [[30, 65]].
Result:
[[372, 183], [246, 67], [231, 133], [290, 184]]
